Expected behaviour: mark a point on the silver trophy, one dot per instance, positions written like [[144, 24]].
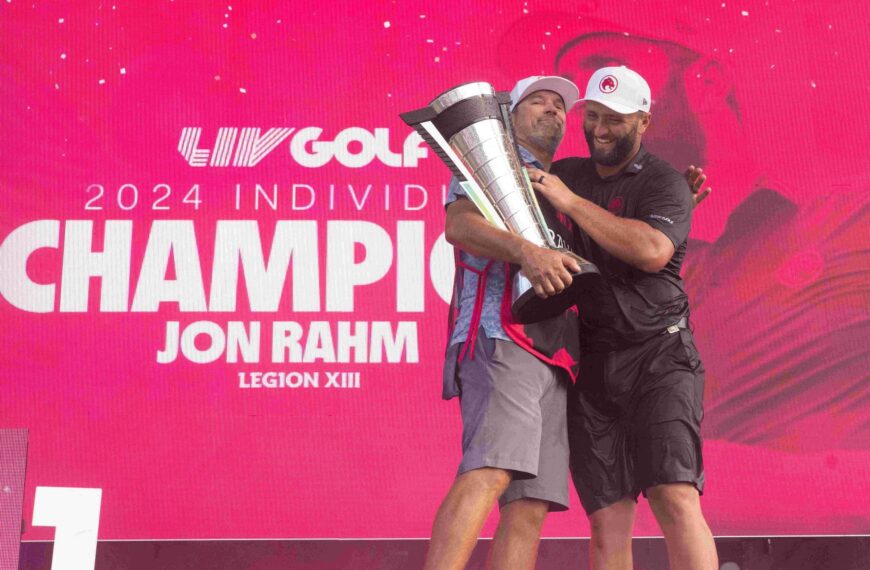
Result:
[[469, 128]]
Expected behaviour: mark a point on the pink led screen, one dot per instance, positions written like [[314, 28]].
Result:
[[224, 283]]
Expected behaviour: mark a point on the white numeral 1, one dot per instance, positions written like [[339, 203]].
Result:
[[75, 513]]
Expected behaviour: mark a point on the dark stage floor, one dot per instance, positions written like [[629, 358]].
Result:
[[754, 553]]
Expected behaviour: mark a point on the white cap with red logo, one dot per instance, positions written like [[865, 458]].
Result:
[[619, 89]]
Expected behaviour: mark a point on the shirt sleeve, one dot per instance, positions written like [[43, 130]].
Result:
[[454, 192], [667, 206]]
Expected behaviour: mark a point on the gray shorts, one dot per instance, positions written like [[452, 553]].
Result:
[[513, 417]]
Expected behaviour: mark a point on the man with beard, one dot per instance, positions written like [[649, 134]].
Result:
[[635, 413], [512, 380], [782, 330]]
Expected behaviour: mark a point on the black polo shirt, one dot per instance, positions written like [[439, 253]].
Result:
[[631, 305]]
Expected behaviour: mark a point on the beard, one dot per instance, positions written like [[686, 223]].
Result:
[[618, 154], [547, 134]]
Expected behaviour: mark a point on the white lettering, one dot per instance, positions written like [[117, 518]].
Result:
[[356, 341], [75, 514], [217, 340], [311, 197], [341, 147], [343, 273], [404, 340], [414, 149], [357, 254], [409, 271], [15, 285], [422, 201], [442, 268], [240, 240], [286, 337], [80, 263], [170, 347], [173, 239], [353, 147], [318, 345]]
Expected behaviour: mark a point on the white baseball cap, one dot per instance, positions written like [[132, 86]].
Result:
[[620, 89], [569, 92]]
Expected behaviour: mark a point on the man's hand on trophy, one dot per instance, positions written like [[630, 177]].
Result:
[[552, 188], [548, 270], [696, 179]]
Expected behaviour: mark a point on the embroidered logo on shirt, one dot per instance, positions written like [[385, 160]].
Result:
[[615, 206], [662, 218]]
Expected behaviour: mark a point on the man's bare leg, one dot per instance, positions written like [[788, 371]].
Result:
[[677, 508], [461, 516], [518, 535], [610, 546]]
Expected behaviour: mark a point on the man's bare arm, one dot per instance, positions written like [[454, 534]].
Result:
[[631, 241], [548, 270]]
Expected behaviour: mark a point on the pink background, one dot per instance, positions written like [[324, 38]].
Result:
[[765, 95]]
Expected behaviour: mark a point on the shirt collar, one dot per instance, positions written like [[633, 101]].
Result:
[[528, 158], [638, 163], [634, 167]]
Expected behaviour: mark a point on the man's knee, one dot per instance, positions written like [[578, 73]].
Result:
[[611, 526], [487, 479], [526, 511], [674, 502]]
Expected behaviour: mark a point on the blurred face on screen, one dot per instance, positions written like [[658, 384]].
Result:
[[677, 135], [539, 120]]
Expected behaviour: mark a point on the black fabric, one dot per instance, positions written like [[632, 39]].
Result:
[[629, 305], [634, 420], [465, 113]]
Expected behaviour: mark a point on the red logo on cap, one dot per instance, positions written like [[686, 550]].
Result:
[[608, 84]]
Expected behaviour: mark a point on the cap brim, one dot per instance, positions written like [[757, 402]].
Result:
[[566, 89], [613, 106]]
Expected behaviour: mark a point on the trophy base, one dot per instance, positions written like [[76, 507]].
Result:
[[529, 308]]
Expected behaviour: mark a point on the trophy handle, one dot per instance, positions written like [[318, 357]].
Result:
[[536, 209], [582, 261], [483, 205], [528, 308]]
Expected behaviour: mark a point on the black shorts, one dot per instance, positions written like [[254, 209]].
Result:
[[634, 420]]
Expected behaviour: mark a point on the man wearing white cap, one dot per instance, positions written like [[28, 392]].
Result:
[[512, 380], [634, 414]]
